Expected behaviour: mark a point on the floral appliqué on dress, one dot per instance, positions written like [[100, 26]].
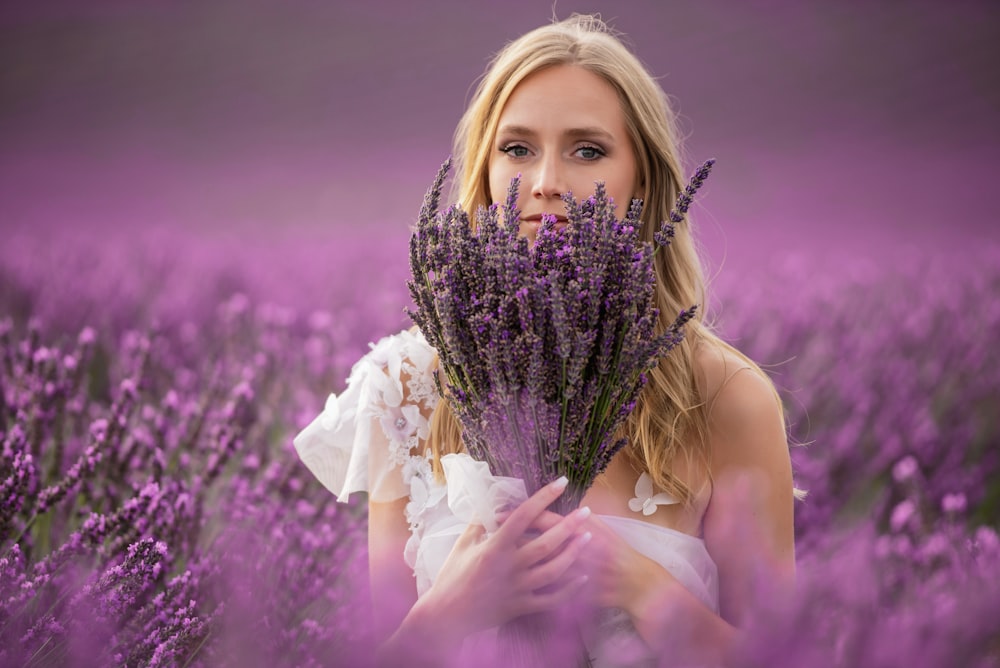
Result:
[[404, 415]]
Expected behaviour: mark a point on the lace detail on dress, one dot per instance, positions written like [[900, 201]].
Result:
[[404, 417], [421, 385], [404, 420], [366, 438], [407, 358]]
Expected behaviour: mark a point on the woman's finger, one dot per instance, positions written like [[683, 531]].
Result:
[[522, 517], [545, 545], [552, 570], [545, 521], [473, 534]]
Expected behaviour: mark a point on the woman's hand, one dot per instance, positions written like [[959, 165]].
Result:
[[618, 575], [490, 579]]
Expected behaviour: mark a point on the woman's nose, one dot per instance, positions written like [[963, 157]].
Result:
[[548, 179]]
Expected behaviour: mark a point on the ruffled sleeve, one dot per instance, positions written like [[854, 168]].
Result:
[[365, 438]]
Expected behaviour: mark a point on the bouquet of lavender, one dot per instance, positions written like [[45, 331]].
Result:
[[543, 347]]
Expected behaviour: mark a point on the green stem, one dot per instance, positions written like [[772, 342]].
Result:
[[598, 415]]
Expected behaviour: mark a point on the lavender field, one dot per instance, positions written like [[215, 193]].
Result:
[[154, 511], [203, 223]]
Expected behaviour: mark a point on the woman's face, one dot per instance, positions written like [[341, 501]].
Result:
[[562, 129]]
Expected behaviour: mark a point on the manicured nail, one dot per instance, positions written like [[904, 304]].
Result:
[[560, 483], [583, 513]]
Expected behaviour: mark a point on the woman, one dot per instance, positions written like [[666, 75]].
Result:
[[687, 520]]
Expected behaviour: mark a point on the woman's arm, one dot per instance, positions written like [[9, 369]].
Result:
[[748, 531], [748, 527], [403, 635], [392, 585], [749, 523]]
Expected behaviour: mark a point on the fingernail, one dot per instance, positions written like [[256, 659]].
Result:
[[585, 538], [560, 483], [583, 513]]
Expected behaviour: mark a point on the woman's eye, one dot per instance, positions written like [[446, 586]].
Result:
[[515, 150], [590, 152]]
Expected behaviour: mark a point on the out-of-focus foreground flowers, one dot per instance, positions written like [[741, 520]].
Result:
[[153, 512]]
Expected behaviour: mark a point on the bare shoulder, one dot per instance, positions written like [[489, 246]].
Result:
[[744, 409], [749, 522]]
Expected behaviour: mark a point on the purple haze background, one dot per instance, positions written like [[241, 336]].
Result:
[[203, 215], [836, 125]]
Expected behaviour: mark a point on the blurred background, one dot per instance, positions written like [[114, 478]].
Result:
[[861, 127], [204, 210]]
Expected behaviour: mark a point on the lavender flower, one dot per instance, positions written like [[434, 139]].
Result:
[[542, 347], [684, 200]]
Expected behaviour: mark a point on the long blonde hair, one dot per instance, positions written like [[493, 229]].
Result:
[[670, 418]]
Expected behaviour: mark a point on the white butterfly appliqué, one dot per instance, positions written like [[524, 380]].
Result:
[[645, 501]]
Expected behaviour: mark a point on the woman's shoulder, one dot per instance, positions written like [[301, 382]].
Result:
[[739, 396], [747, 433]]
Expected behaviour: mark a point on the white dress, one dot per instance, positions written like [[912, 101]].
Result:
[[364, 441]]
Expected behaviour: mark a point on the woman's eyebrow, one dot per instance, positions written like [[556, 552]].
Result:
[[591, 131], [516, 130], [584, 132]]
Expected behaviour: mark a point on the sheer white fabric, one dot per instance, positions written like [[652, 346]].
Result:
[[370, 439]]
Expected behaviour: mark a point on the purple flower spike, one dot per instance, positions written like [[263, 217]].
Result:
[[684, 200]]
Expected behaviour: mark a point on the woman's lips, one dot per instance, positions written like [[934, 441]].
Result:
[[535, 220], [530, 226]]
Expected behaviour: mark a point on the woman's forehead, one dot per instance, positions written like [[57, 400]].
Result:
[[569, 98]]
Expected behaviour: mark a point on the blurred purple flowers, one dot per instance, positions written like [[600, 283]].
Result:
[[153, 512]]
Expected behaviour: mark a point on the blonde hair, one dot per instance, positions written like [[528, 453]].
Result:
[[670, 418]]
